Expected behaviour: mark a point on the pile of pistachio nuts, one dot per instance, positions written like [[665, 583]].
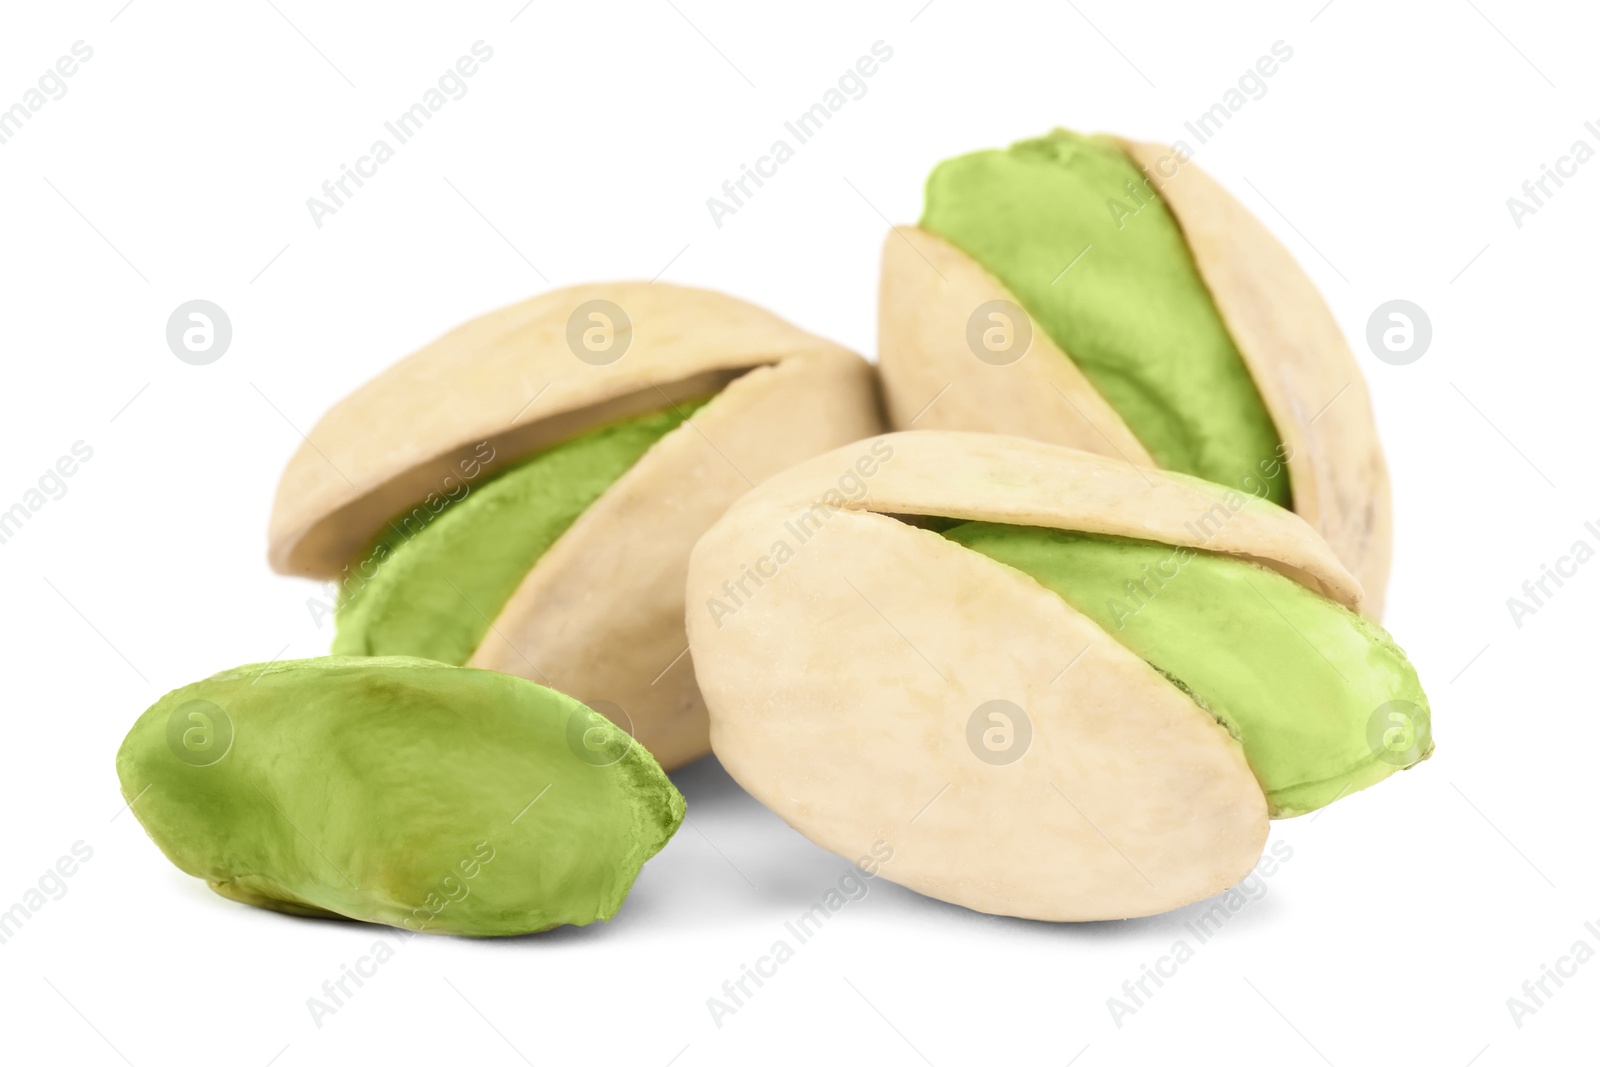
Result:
[[1055, 607]]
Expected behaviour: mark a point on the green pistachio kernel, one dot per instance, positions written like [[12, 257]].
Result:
[[398, 790], [1299, 680], [434, 592], [1068, 224]]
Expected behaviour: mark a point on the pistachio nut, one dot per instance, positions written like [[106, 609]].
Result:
[[522, 494], [398, 790], [1110, 296], [1059, 686]]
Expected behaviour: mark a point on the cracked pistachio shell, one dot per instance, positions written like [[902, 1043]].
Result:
[[1290, 342], [600, 615], [399, 791], [843, 684]]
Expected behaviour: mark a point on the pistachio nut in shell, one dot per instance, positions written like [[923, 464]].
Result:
[[522, 494], [1056, 685], [1110, 296], [400, 791]]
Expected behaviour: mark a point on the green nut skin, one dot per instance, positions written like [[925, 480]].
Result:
[[1296, 678], [401, 791]]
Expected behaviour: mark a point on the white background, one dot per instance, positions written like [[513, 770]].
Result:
[[177, 166]]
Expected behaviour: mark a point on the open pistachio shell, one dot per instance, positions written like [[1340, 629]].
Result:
[[847, 650], [1303, 370], [600, 614]]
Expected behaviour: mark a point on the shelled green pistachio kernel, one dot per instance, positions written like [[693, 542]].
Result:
[[398, 790]]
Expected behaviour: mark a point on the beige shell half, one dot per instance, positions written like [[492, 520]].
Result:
[[600, 616], [1287, 336], [844, 654]]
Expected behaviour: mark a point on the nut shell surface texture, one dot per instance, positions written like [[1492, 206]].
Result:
[[851, 657], [600, 613]]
